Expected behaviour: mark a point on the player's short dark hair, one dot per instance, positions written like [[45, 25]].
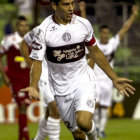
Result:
[[103, 27], [55, 1], [20, 18]]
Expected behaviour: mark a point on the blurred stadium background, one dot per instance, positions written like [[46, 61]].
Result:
[[124, 115]]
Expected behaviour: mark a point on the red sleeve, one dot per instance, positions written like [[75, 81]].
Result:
[[91, 42]]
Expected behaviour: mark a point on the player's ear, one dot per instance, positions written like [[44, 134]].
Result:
[[53, 6]]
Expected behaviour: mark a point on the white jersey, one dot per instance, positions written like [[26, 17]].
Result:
[[64, 47], [11, 40], [29, 39], [109, 51]]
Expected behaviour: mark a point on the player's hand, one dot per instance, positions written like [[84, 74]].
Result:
[[33, 93], [135, 10], [121, 84]]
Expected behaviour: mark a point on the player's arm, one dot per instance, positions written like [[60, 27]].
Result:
[[97, 55], [2, 70], [82, 8], [37, 54], [35, 73], [128, 23], [90, 61], [120, 83], [24, 48]]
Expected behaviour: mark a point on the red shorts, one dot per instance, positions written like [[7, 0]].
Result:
[[20, 97]]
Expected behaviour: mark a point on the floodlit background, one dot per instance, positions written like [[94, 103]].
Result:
[[124, 115]]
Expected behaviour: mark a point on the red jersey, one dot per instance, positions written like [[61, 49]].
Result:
[[17, 70]]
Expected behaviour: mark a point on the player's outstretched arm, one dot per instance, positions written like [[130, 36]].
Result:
[[24, 48], [129, 22], [123, 87], [82, 8], [35, 73], [120, 83]]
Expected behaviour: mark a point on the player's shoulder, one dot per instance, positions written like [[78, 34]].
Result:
[[8, 40], [82, 20], [44, 25], [9, 36], [32, 32]]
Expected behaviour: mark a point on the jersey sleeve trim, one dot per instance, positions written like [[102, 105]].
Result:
[[92, 42], [35, 58]]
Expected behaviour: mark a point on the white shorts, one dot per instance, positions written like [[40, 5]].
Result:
[[104, 89], [46, 93], [82, 99]]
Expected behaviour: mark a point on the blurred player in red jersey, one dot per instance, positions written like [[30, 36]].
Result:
[[16, 75], [51, 118]]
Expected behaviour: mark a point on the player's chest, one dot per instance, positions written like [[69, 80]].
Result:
[[13, 42], [62, 35], [13, 47]]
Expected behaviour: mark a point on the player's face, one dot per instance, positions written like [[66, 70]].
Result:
[[104, 35], [22, 27], [64, 10]]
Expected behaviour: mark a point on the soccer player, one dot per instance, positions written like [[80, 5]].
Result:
[[49, 125], [61, 38], [104, 85], [17, 74]]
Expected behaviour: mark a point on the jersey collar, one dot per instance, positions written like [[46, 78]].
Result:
[[54, 20]]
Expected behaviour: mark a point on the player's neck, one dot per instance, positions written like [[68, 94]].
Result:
[[21, 35], [60, 20]]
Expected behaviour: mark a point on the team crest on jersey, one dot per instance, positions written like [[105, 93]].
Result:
[[90, 103], [66, 37]]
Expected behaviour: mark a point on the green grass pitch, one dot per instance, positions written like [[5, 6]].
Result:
[[117, 129]]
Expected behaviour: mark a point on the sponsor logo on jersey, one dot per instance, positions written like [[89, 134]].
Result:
[[36, 46], [66, 37], [66, 54]]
